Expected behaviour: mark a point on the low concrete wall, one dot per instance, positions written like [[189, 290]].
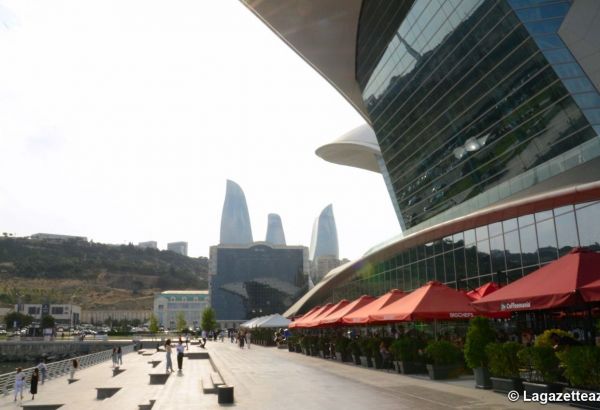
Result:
[[24, 350]]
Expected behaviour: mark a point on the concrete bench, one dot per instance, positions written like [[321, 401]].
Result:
[[158, 378], [42, 406], [216, 379], [196, 355], [225, 394], [154, 363], [147, 406], [106, 392], [208, 387]]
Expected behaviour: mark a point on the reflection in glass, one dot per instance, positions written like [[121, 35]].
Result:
[[483, 255], [566, 231], [513, 250], [529, 246], [547, 241], [588, 222]]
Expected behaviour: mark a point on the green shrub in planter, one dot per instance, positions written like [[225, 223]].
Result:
[[355, 350], [582, 366], [503, 359], [405, 349], [365, 347], [542, 359], [443, 353], [479, 335], [342, 346], [545, 339]]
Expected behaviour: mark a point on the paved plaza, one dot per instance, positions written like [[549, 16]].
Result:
[[263, 378]]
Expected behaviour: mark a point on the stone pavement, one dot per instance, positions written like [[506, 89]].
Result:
[[263, 378], [270, 378]]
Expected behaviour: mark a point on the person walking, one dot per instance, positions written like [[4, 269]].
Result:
[[119, 355], [180, 348], [19, 383], [34, 382], [203, 338], [187, 341], [168, 350], [247, 336], [74, 366], [43, 369], [114, 357]]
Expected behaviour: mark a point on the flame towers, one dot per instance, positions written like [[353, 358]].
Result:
[[235, 221], [275, 234]]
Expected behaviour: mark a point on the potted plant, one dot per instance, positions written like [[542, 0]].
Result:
[[544, 371], [365, 352], [479, 335], [582, 370], [305, 343], [324, 347], [342, 349], [504, 366], [405, 352], [444, 360], [314, 345], [356, 353]]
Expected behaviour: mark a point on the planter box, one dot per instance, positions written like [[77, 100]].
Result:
[[592, 405], [298, 349], [314, 352], [365, 361], [411, 368], [441, 372], [343, 357], [357, 360], [291, 348], [482, 378], [501, 385], [530, 387], [377, 362]]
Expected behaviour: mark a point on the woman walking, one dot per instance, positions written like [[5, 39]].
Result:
[[114, 357], [168, 350], [74, 366], [119, 356], [34, 382]]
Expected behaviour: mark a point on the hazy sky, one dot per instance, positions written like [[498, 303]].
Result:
[[121, 121]]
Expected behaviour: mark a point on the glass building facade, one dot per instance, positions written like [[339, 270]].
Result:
[[247, 282], [472, 101], [501, 252]]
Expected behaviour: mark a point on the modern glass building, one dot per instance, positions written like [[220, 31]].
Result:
[[275, 234], [235, 220], [487, 117], [255, 280]]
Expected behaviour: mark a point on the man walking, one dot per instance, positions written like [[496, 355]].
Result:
[[180, 350]]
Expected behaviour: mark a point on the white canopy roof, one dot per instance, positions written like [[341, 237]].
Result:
[[272, 321]]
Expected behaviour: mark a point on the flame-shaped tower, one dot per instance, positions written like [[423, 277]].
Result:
[[275, 235], [235, 221], [324, 235]]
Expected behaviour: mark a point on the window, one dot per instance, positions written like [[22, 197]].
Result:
[[56, 310]]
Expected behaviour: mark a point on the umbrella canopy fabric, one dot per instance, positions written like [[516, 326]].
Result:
[[337, 317], [483, 290], [315, 313], [250, 322], [314, 322], [429, 302], [304, 317], [361, 316], [275, 320], [555, 285], [591, 291]]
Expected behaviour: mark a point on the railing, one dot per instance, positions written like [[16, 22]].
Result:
[[61, 368]]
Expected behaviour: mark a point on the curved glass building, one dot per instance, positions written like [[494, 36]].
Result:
[[324, 240], [275, 234], [235, 221], [487, 117]]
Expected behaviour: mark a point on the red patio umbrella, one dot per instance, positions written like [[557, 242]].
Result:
[[361, 316], [553, 286], [315, 320], [483, 290], [303, 317], [429, 302], [317, 312], [336, 318], [591, 291]]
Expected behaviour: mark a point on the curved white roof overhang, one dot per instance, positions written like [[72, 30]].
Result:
[[323, 33], [357, 148]]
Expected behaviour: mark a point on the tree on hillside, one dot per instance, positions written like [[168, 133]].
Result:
[[20, 319], [181, 323], [209, 321], [153, 324], [48, 322]]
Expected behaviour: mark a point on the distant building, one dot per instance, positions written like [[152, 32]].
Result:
[[178, 247], [324, 251], [257, 279], [98, 317], [168, 305], [148, 244], [50, 237], [235, 220], [275, 234], [63, 313]]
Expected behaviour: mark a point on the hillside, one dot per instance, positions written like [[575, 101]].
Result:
[[91, 274]]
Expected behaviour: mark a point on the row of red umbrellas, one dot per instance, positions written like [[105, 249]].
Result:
[[572, 280]]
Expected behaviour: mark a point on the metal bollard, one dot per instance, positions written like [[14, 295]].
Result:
[[225, 394]]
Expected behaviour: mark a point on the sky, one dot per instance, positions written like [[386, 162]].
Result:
[[121, 121]]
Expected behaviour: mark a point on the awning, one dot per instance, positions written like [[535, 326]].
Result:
[[304, 317], [555, 285], [309, 317], [337, 317], [591, 291], [314, 322], [483, 290], [361, 316], [272, 321], [430, 302]]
